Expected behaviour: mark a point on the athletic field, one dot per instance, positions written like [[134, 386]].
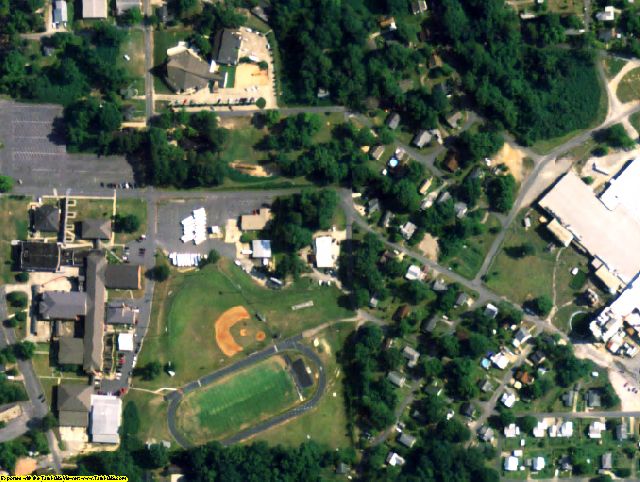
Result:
[[237, 402]]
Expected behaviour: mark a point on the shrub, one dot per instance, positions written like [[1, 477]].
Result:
[[261, 103], [22, 277], [128, 223], [17, 299], [21, 316]]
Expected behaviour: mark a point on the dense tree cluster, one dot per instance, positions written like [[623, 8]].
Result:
[[18, 16], [371, 398], [568, 368], [534, 88]]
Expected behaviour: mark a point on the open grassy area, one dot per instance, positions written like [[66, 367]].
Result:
[[103, 209], [133, 46], [187, 305], [14, 220], [635, 121], [522, 278], [152, 410], [629, 87], [230, 81], [163, 40], [469, 261], [326, 423], [613, 65], [243, 136], [240, 401]]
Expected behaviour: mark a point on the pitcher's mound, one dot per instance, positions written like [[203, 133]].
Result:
[[260, 336], [244, 332], [223, 325]]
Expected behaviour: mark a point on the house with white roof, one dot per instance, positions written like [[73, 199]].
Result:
[[508, 399], [324, 251], [511, 431], [537, 464], [540, 430], [414, 273], [499, 360], [394, 459], [261, 249], [511, 463], [596, 428]]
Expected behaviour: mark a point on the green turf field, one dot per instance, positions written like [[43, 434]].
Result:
[[238, 402], [186, 306]]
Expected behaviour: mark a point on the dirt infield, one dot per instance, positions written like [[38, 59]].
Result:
[[223, 325]]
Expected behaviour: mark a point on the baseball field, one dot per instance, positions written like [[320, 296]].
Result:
[[237, 402]]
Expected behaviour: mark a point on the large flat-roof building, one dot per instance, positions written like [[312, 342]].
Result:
[[39, 256], [94, 8], [105, 419]]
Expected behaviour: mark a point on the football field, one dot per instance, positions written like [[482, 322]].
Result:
[[240, 401]]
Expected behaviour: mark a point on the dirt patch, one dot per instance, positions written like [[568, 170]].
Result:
[[629, 400], [429, 246], [244, 332], [254, 170], [248, 75], [25, 466], [260, 336], [513, 159], [223, 325]]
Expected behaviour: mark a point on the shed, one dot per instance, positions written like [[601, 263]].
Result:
[[607, 461]]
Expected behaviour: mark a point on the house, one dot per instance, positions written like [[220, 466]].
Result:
[[343, 469], [464, 299], [421, 139], [324, 252], [607, 461], [261, 248], [106, 413], [540, 430], [609, 14], [411, 355], [60, 15], [596, 428], [434, 388], [61, 305], [537, 464], [511, 431], [568, 398], [408, 230], [451, 162], [407, 440], [485, 386], [94, 8], [486, 434], [593, 399], [373, 206], [70, 350], [388, 24], [120, 314], [73, 402], [521, 337], [439, 285], [524, 377], [376, 152], [187, 73], [418, 7], [226, 47], [437, 135], [394, 459], [444, 196], [93, 229], [393, 120], [491, 311], [537, 357], [424, 187], [511, 464], [499, 360], [402, 312], [606, 35], [386, 219], [621, 431], [123, 5], [454, 119], [256, 221], [39, 256], [398, 379], [467, 410], [508, 399], [123, 276], [460, 209], [566, 429]]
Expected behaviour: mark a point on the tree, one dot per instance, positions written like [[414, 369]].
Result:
[[6, 183], [157, 456], [528, 423], [21, 316], [24, 350], [431, 368], [609, 397], [501, 192], [152, 370], [543, 305], [506, 417], [617, 137], [22, 277], [160, 272], [17, 299], [127, 223], [261, 103]]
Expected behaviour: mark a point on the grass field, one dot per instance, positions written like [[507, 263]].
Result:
[[133, 46], [246, 398], [103, 209], [523, 278], [469, 261], [629, 87], [635, 121], [152, 410], [613, 65], [186, 307], [14, 220], [327, 422]]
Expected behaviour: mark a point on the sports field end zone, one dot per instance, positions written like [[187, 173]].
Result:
[[327, 422], [237, 402], [186, 307]]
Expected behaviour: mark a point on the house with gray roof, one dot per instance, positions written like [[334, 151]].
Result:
[[123, 276], [407, 440], [393, 121], [39, 256], [594, 400], [421, 139], [120, 314], [61, 305], [70, 350], [92, 229], [74, 401], [396, 378], [607, 461], [226, 46], [46, 219]]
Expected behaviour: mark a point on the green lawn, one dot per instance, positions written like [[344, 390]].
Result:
[[14, 219], [327, 422], [133, 46], [520, 279], [186, 307], [103, 209], [240, 401], [613, 65], [469, 261], [242, 139], [629, 87], [152, 410], [635, 121], [231, 75]]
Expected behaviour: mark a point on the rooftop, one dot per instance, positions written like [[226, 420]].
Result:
[[186, 71], [38, 256], [46, 218], [62, 305], [94, 321], [105, 418], [255, 222], [96, 229], [324, 252], [94, 8], [226, 46], [70, 350], [123, 276]]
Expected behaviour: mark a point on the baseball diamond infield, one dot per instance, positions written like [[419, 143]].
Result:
[[223, 325]]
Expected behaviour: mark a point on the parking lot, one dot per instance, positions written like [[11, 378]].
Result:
[[219, 207], [34, 154]]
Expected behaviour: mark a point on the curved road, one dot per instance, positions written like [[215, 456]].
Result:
[[176, 397]]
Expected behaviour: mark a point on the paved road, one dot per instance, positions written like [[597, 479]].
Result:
[[174, 398], [18, 426]]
